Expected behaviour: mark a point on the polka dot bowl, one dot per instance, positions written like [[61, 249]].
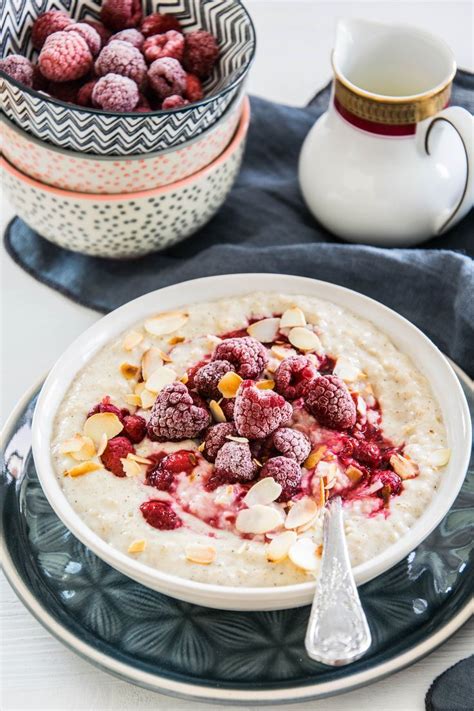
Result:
[[132, 224], [88, 173]]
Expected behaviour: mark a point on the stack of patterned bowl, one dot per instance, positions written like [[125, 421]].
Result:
[[123, 179]]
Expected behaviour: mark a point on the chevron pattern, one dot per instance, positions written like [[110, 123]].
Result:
[[92, 131]]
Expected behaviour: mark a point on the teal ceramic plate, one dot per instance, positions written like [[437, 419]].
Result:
[[194, 652]]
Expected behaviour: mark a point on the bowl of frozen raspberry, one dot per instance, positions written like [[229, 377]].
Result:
[[126, 78], [193, 437]]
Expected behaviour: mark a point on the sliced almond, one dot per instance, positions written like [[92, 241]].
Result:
[[174, 340], [87, 451], [160, 378], [303, 554], [354, 474], [258, 519], [361, 406], [162, 324], [229, 384], [265, 330], [74, 444], [102, 423], [304, 340], [138, 389], [139, 459], [234, 438], [281, 352], [303, 511], [264, 491], [200, 553], [217, 411], [293, 317], [347, 370], [102, 445], [440, 457], [132, 399], [309, 524], [130, 467], [151, 360], [137, 546], [132, 340], [130, 371], [148, 399], [405, 468], [202, 447], [265, 384], [277, 549], [83, 468], [184, 378], [315, 457], [322, 492]]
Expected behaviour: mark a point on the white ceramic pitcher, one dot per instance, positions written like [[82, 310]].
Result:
[[389, 163]]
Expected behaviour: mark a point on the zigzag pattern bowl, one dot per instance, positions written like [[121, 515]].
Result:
[[111, 133]]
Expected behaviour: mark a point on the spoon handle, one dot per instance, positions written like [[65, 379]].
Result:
[[337, 632]]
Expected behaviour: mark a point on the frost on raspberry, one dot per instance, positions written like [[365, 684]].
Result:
[[132, 36], [167, 77], [293, 375], [175, 417], [65, 56], [48, 23], [121, 14], [216, 437], [329, 400], [200, 53], [174, 102], [115, 93], [287, 473], [292, 444], [258, 413], [234, 463], [89, 34], [247, 355], [19, 68], [122, 58], [169, 44], [207, 378], [102, 30], [157, 24]]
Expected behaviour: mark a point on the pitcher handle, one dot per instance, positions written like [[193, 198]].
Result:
[[463, 123]]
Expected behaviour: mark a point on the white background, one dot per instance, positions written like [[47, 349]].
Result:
[[294, 42]]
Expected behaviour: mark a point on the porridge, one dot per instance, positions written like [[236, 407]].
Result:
[[205, 442]]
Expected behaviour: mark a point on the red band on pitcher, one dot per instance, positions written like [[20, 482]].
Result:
[[381, 129]]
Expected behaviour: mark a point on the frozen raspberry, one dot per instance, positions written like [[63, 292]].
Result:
[[329, 400], [247, 354], [89, 34], [200, 53], [157, 24], [124, 59], [287, 473], [234, 463], [193, 91], [292, 444], [392, 483], [216, 437], [174, 415], [143, 105], [160, 515], [174, 102], [207, 378], [161, 475], [227, 407], [64, 91], [167, 77], [293, 375], [102, 30], [134, 427], [258, 413], [65, 56], [117, 448], [169, 44], [19, 68], [132, 36], [106, 406], [84, 95], [367, 452], [48, 23], [115, 93], [121, 14]]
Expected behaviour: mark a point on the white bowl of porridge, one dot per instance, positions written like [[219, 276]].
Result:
[[192, 437]]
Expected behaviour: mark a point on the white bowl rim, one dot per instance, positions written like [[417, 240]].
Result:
[[114, 323], [237, 138], [76, 155], [137, 115]]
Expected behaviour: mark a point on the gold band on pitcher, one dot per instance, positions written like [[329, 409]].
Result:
[[395, 112]]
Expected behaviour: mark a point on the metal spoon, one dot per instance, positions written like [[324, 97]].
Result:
[[337, 632]]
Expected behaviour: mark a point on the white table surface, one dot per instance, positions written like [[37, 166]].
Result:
[[37, 323]]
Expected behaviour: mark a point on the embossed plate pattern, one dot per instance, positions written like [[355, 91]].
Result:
[[181, 649]]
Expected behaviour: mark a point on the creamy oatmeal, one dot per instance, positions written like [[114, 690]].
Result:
[[205, 442]]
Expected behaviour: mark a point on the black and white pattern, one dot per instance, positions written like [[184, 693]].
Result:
[[94, 131]]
